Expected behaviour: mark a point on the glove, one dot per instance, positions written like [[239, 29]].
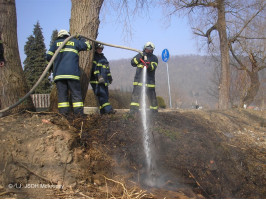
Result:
[[110, 79], [51, 77], [101, 80], [78, 37], [149, 67], [144, 56]]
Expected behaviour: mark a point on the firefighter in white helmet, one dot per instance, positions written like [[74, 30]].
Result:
[[141, 60], [66, 71]]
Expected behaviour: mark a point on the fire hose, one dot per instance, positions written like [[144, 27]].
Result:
[[50, 64]]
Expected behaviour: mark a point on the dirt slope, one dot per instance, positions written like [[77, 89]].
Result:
[[196, 154]]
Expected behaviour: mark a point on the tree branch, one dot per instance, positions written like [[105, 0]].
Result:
[[195, 3], [262, 67], [233, 39], [207, 34], [243, 67], [252, 38], [252, 60]]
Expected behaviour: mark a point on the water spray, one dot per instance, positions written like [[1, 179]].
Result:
[[146, 138], [146, 135]]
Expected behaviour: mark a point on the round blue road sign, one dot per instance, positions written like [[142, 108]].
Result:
[[165, 55]]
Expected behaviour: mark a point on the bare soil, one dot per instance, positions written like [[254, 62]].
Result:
[[196, 154]]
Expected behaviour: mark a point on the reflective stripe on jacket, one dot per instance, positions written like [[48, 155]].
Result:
[[136, 62], [100, 67], [66, 64]]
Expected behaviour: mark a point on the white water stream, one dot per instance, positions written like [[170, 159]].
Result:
[[146, 134]]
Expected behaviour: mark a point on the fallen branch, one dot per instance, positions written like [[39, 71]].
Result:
[[236, 147], [3, 193], [112, 136], [133, 193], [88, 197], [31, 112], [106, 188], [81, 130], [123, 186], [198, 183], [39, 176], [6, 115]]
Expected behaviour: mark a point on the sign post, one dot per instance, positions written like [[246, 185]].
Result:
[[165, 58]]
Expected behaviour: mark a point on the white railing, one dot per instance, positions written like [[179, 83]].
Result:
[[41, 100]]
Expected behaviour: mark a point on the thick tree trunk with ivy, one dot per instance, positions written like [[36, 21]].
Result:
[[84, 21], [12, 81]]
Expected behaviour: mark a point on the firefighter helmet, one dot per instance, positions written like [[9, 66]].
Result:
[[99, 46], [63, 32], [149, 46]]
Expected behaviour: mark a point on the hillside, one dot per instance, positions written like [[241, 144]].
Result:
[[197, 154], [190, 77]]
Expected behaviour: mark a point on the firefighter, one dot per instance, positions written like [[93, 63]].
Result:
[[2, 60], [100, 79], [66, 71], [151, 64]]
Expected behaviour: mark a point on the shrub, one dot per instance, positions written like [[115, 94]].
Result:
[[117, 98], [161, 103]]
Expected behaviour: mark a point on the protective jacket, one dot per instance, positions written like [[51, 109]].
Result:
[[1, 51], [152, 61], [100, 68], [66, 64]]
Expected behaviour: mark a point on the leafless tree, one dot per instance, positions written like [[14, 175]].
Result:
[[12, 81], [239, 86], [208, 16], [85, 21], [247, 46], [213, 14]]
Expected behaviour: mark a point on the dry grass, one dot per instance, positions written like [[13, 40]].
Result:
[[119, 190]]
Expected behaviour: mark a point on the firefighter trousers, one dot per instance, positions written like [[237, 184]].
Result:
[[63, 88], [102, 93], [136, 94]]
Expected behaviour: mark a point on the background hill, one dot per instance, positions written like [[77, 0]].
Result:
[[193, 78], [190, 77]]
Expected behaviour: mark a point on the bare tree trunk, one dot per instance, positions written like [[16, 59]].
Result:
[[224, 87], [252, 90], [12, 81], [53, 99], [84, 21]]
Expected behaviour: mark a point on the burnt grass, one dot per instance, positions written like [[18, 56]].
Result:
[[195, 154]]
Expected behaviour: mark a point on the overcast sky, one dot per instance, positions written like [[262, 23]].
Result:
[[176, 35]]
